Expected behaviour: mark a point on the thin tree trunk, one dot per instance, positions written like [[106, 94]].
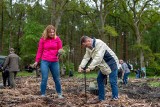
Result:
[[124, 48], [53, 12], [141, 58], [1, 37], [141, 54], [10, 38], [57, 14]]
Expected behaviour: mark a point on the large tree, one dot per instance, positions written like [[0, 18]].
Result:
[[56, 8], [138, 13]]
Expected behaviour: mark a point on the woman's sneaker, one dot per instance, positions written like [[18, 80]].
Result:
[[43, 95], [60, 97]]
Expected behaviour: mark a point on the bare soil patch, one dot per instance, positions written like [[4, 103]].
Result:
[[27, 94]]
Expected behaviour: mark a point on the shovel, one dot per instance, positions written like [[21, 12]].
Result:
[[84, 69], [85, 85]]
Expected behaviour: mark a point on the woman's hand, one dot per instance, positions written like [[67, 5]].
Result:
[[35, 64], [61, 51]]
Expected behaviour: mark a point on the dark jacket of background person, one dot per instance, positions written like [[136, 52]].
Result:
[[12, 61], [5, 76]]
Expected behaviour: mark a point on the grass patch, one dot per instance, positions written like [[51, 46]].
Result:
[[25, 73], [88, 75], [132, 74], [154, 84], [76, 74]]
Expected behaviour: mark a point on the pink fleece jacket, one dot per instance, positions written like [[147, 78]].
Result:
[[48, 49]]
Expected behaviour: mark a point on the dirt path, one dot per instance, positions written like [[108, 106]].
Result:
[[136, 94]]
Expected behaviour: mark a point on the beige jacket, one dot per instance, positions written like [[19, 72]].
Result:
[[97, 54]]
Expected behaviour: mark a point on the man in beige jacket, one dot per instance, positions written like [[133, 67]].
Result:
[[12, 61], [103, 58]]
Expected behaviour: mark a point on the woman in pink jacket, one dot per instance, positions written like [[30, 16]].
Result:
[[49, 47]]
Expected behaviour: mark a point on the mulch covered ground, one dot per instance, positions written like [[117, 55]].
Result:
[[136, 94]]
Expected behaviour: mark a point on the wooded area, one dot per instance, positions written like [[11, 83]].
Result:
[[129, 27]]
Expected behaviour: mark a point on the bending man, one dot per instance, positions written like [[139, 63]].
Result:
[[104, 58]]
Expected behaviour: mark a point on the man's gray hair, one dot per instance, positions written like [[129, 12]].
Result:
[[11, 49], [83, 39]]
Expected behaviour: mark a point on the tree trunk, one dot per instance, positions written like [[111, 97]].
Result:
[[11, 38], [53, 15], [57, 13], [124, 47], [1, 36], [141, 58], [102, 25], [139, 42]]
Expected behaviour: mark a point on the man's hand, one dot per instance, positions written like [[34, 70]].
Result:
[[2, 68], [88, 70], [80, 69]]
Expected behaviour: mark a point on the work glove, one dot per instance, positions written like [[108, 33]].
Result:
[[80, 69], [88, 70]]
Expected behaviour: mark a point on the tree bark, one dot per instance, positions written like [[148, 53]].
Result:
[[141, 54], [11, 38], [57, 11], [1, 37]]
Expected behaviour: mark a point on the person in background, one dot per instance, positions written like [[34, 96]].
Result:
[[105, 59], [5, 76], [120, 71], [143, 71], [13, 63], [70, 73], [49, 49], [138, 73], [126, 71]]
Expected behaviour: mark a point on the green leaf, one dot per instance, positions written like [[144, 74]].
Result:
[[110, 30]]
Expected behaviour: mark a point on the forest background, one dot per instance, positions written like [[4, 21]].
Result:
[[131, 28]]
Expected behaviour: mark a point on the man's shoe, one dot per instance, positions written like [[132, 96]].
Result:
[[114, 99]]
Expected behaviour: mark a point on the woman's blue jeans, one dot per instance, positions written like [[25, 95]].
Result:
[[113, 83], [54, 68], [125, 78]]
